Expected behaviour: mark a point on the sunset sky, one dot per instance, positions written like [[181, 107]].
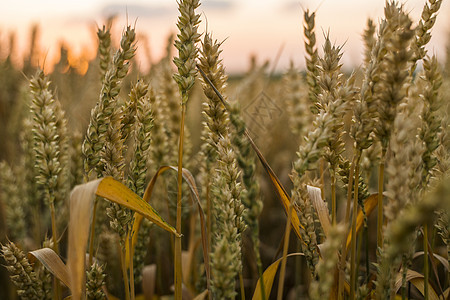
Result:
[[250, 27]]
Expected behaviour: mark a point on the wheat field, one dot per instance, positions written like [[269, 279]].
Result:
[[182, 182]]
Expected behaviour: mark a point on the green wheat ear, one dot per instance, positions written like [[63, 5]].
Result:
[[21, 272], [186, 45], [226, 260]]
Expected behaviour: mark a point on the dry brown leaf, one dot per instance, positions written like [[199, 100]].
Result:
[[418, 280], [81, 204], [52, 262]]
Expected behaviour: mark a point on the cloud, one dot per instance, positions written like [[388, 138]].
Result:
[[292, 6], [161, 9], [137, 10], [217, 4]]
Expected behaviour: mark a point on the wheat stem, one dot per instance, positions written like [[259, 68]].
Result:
[[333, 198], [241, 284], [353, 242], [285, 251], [343, 257], [56, 286], [425, 260], [131, 265], [92, 234], [350, 189], [124, 271], [380, 200], [178, 269], [208, 217]]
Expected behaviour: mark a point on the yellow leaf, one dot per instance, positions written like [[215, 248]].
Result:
[[81, 204], [268, 277], [116, 192], [369, 206]]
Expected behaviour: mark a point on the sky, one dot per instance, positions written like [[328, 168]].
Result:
[[266, 28]]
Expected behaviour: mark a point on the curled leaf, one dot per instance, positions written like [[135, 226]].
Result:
[[321, 208], [418, 280], [52, 262]]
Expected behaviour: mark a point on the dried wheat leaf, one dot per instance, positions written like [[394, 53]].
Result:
[[52, 262], [268, 277], [279, 189], [321, 208], [81, 204], [369, 206], [115, 191], [418, 280], [442, 260]]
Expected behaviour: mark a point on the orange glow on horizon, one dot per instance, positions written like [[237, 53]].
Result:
[[249, 27]]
